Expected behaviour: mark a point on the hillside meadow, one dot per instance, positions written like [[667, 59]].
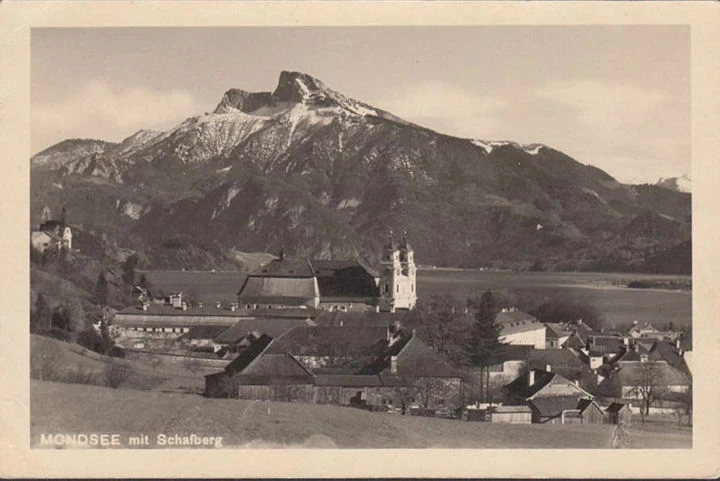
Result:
[[620, 305], [74, 408]]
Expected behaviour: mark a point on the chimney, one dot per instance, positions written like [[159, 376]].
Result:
[[282, 254], [393, 364], [548, 367], [531, 378], [626, 341], [184, 306], [144, 306], [677, 344]]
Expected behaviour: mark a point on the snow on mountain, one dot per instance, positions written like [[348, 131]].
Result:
[[680, 184], [489, 145]]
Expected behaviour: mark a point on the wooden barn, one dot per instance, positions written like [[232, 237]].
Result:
[[617, 413], [365, 367], [511, 415]]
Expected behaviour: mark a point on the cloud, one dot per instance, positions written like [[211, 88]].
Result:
[[444, 107], [599, 104], [103, 111]]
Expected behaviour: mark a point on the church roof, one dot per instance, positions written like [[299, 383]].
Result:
[[285, 267]]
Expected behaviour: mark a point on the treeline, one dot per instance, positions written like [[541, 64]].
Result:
[[74, 297]]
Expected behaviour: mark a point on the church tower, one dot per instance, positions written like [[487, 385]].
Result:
[[397, 281]]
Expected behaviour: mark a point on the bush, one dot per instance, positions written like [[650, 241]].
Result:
[[116, 374]]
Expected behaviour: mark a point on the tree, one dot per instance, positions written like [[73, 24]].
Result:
[[445, 324], [145, 283], [564, 310], [40, 317], [101, 289], [129, 269], [70, 315], [484, 339], [648, 385]]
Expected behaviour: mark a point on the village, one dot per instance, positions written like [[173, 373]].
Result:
[[342, 333]]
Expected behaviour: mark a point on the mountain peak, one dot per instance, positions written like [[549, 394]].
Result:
[[298, 87], [237, 100]]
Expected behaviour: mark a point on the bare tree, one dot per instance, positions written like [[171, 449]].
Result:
[[648, 387]]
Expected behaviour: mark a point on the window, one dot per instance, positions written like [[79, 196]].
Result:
[[387, 288], [397, 288]]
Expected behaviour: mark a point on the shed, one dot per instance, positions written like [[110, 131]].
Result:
[[618, 413], [511, 415]]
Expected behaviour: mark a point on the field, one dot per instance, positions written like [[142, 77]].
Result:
[[74, 408], [618, 304]]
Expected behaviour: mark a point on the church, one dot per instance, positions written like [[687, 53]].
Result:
[[335, 285]]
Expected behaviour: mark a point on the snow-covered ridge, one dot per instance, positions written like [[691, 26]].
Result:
[[489, 145], [681, 184]]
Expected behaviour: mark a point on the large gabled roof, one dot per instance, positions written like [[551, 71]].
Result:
[[285, 267], [334, 341], [273, 327], [417, 360], [513, 322], [360, 319]]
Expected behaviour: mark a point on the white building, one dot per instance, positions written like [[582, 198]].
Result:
[[520, 328]]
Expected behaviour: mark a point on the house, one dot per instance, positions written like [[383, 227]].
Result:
[[555, 335], [566, 410], [520, 328], [52, 235], [617, 413], [549, 395], [335, 285], [383, 368], [670, 385], [560, 361]]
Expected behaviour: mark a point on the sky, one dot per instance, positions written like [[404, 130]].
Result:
[[617, 97]]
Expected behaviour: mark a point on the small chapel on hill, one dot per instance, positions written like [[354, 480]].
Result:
[[335, 285]]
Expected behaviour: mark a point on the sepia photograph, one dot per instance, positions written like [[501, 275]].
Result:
[[361, 237]]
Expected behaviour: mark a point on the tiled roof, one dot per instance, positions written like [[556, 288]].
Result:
[[574, 342], [615, 407], [204, 332], [555, 331], [519, 387], [359, 319], [278, 290], [512, 352], [333, 341], [274, 327], [249, 354], [668, 352], [562, 361], [286, 267], [512, 322], [417, 360]]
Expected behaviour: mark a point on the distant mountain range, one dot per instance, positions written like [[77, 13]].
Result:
[[312, 171]]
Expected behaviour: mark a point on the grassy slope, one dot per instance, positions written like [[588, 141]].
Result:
[[72, 408], [69, 358]]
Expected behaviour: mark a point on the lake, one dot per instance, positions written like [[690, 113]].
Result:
[[619, 305]]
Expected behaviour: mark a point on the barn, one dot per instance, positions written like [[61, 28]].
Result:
[[511, 415]]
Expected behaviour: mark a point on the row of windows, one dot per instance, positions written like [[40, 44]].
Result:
[[160, 329]]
